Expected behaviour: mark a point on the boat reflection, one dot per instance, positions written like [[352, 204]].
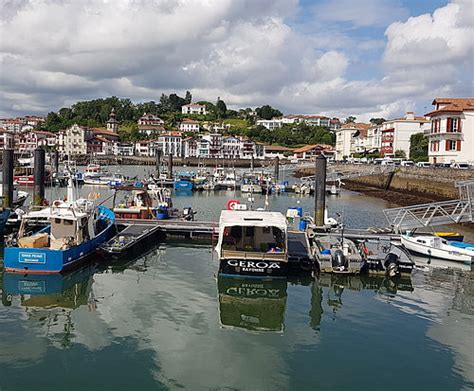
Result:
[[67, 291], [257, 305]]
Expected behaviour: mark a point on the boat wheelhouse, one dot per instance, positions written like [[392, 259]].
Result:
[[154, 203], [253, 243]]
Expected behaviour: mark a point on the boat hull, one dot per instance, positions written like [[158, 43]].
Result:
[[440, 253], [183, 185], [253, 268]]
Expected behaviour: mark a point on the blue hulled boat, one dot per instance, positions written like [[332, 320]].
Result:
[[184, 181], [74, 230]]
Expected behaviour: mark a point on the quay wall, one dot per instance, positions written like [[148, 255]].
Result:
[[408, 185]]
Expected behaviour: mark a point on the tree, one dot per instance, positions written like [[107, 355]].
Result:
[[377, 121], [188, 98], [350, 119], [418, 147], [268, 112], [221, 108], [400, 153]]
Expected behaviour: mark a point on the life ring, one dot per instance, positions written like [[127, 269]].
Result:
[[57, 203], [231, 204]]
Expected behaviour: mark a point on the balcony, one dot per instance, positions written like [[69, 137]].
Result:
[[446, 136]]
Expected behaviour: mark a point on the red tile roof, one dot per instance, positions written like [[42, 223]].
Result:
[[453, 105], [307, 148]]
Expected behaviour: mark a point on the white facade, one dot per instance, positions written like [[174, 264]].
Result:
[[451, 135], [170, 144], [270, 124], [194, 108], [190, 147], [231, 147], [6, 139], [75, 140], [188, 125], [124, 149], [344, 142], [150, 119], [142, 148]]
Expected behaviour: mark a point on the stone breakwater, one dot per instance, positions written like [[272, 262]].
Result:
[[407, 186]]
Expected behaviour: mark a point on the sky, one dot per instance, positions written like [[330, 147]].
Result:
[[367, 58]]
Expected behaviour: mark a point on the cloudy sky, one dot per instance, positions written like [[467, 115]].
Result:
[[334, 57]]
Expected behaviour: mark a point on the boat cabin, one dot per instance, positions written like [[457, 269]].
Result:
[[256, 235]]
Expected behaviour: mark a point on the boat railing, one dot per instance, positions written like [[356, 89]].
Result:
[[235, 254]]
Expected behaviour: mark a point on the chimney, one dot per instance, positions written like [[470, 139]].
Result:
[[410, 115]]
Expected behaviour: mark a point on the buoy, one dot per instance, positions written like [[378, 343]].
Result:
[[231, 204]]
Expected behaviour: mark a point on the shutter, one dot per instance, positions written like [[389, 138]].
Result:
[[447, 145], [459, 124], [459, 145], [449, 125]]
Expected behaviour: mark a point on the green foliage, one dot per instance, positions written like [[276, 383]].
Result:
[[221, 108], [350, 119], [418, 147], [293, 135], [377, 121], [400, 153], [268, 112]]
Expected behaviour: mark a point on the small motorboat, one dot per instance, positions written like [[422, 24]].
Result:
[[184, 181], [250, 184], [435, 247], [385, 257], [151, 203], [337, 254]]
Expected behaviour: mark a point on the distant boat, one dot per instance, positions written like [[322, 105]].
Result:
[[75, 229], [435, 247], [184, 181]]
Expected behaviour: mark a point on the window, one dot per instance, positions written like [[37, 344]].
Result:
[[451, 145]]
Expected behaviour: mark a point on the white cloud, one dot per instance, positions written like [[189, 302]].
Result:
[[54, 53]]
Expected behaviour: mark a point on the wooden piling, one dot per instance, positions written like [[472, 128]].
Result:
[[39, 176], [320, 190], [8, 178]]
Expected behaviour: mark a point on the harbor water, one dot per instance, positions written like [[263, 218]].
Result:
[[165, 320]]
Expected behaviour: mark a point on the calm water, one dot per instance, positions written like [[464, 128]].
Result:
[[165, 321]]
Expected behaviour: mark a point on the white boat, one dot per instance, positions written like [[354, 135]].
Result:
[[250, 184], [253, 243], [19, 196], [435, 247]]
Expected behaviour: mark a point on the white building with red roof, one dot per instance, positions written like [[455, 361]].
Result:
[[194, 108], [451, 134], [150, 119], [189, 126]]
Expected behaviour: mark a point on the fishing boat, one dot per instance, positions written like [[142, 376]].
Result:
[[252, 243], [337, 254], [224, 179], [75, 229], [24, 176], [184, 181], [152, 203], [435, 247]]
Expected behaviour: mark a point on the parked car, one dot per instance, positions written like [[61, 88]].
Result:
[[460, 166], [423, 164], [407, 163], [387, 162], [442, 165]]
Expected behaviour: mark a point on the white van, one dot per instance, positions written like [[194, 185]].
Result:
[[423, 164], [407, 163], [387, 162]]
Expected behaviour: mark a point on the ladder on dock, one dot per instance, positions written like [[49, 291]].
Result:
[[436, 213]]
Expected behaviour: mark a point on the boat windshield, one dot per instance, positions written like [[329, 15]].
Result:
[[253, 239]]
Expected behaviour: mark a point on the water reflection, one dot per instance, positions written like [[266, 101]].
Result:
[[252, 304]]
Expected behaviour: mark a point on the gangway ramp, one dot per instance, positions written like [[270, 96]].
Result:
[[436, 213]]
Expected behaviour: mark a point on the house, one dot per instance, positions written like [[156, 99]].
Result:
[[194, 108], [451, 135], [74, 140], [311, 151], [142, 148], [151, 130], [396, 133], [344, 139], [169, 143], [6, 139], [203, 147], [270, 124], [150, 119], [124, 149], [104, 133], [273, 151], [27, 142], [215, 144], [190, 147], [231, 147], [189, 126], [100, 145]]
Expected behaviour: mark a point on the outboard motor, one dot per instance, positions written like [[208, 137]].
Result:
[[188, 213], [339, 261], [391, 262]]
